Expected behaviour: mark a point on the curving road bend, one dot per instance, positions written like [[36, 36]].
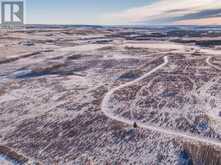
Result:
[[212, 65], [174, 133]]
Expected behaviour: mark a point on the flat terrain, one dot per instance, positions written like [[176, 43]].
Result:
[[71, 95]]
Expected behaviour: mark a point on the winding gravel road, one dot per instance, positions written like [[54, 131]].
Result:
[[174, 133], [212, 65]]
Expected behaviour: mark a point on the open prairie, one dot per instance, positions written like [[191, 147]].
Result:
[[110, 95]]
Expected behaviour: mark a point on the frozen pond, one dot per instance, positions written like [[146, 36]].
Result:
[[22, 73], [4, 160]]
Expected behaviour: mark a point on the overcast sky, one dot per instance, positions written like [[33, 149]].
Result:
[[121, 12]]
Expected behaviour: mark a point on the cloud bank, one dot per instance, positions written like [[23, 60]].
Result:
[[172, 12]]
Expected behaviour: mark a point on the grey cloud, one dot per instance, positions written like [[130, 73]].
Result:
[[176, 10], [199, 15]]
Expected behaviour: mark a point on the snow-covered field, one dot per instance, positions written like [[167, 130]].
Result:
[[72, 96]]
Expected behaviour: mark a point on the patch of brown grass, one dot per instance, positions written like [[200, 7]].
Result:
[[2, 92]]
